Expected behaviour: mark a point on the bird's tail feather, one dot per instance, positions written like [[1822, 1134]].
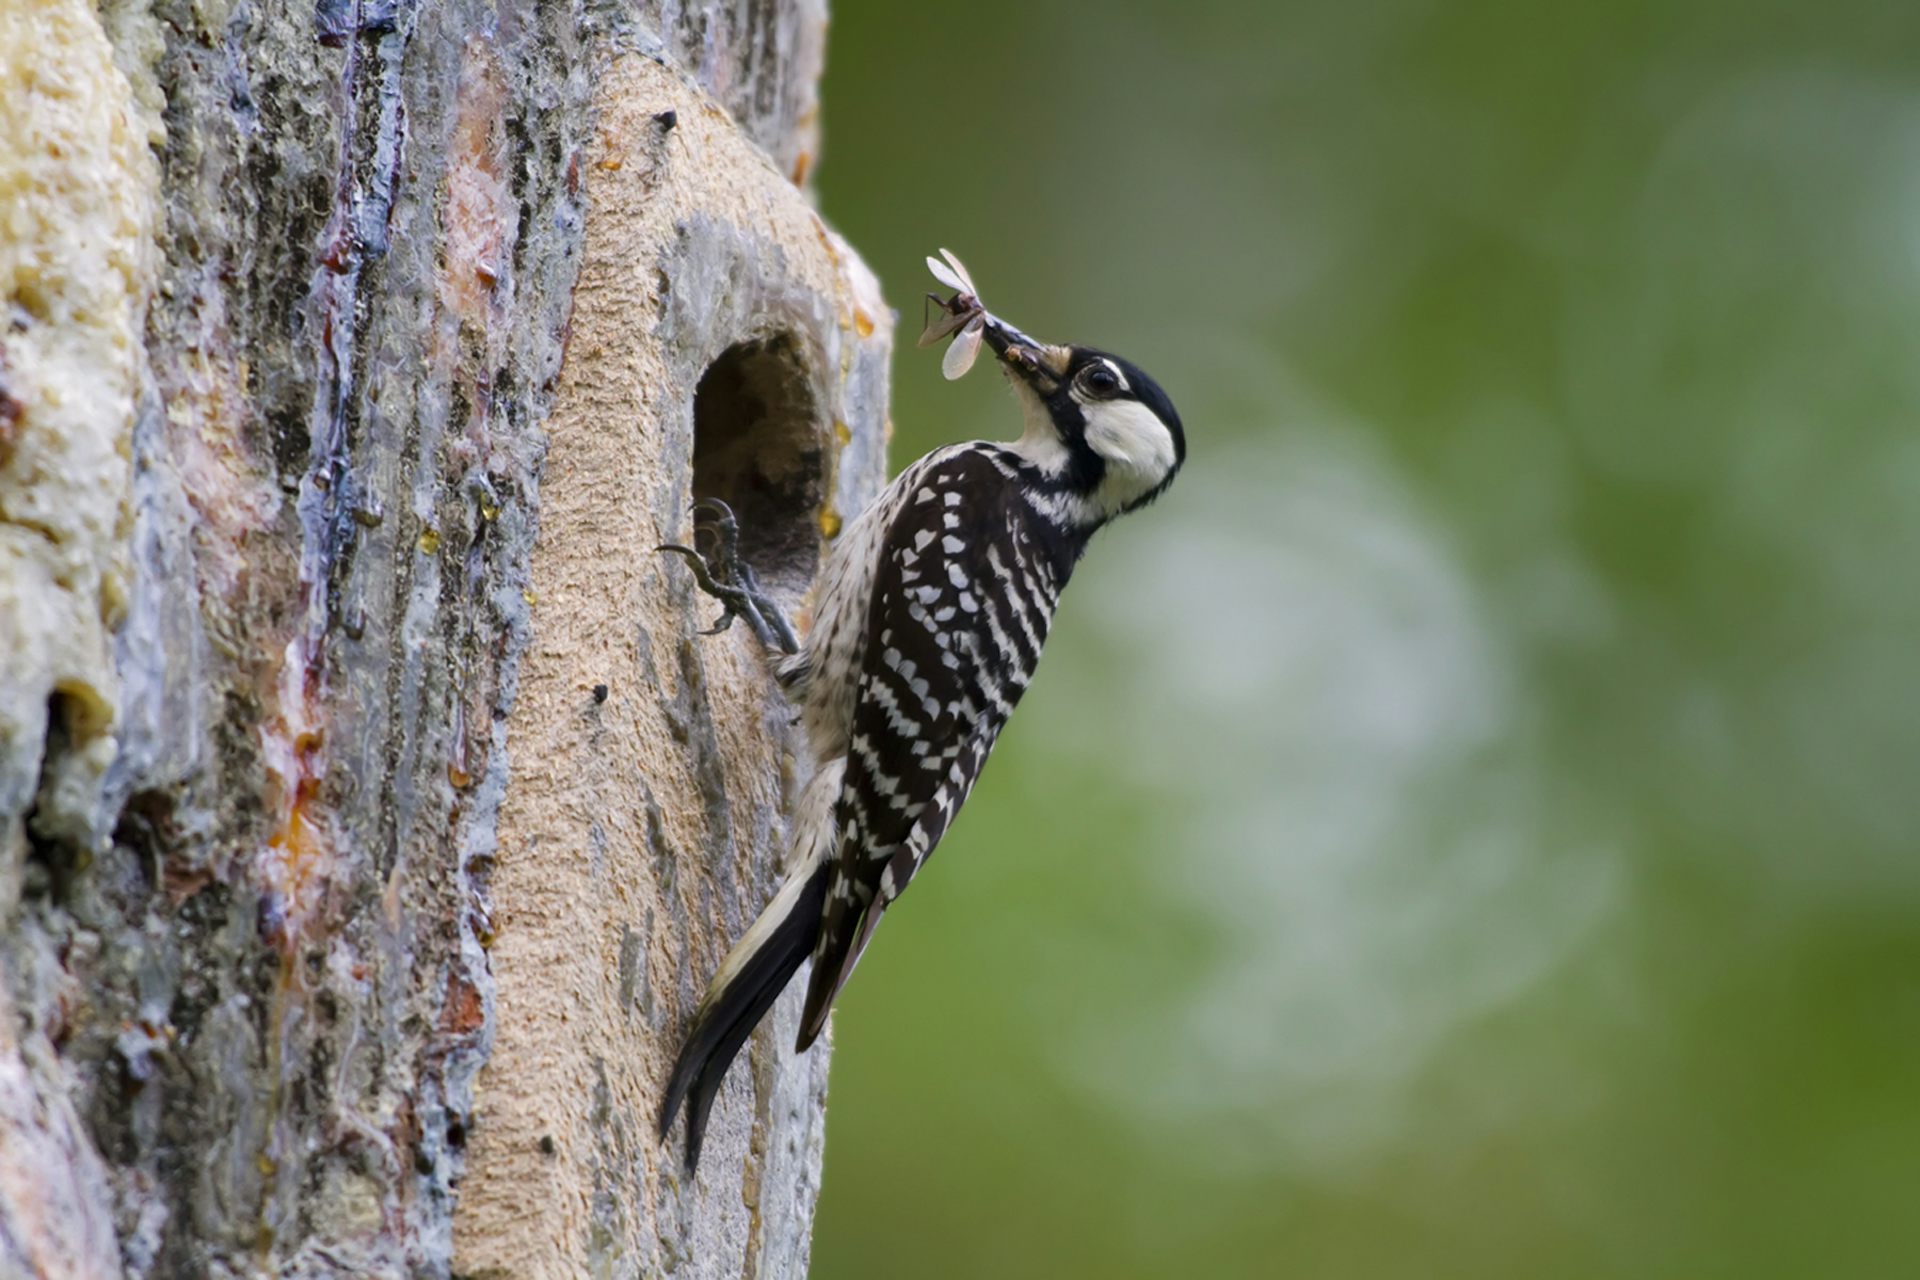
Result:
[[749, 981]]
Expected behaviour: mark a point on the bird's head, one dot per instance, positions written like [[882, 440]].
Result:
[[1095, 422]]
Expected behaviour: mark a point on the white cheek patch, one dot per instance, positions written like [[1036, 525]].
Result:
[[1138, 450], [1131, 438]]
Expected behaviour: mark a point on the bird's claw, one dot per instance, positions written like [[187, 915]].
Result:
[[728, 579], [711, 513]]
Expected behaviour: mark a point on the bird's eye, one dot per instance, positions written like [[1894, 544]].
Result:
[[1099, 381]]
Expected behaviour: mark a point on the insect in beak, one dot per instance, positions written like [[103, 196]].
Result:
[[964, 319]]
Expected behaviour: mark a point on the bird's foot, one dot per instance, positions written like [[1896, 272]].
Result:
[[722, 574]]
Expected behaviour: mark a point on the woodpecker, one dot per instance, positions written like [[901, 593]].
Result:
[[932, 609]]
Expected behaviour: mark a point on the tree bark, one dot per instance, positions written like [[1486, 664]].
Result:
[[370, 815]]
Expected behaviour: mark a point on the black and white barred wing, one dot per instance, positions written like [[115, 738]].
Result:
[[960, 608]]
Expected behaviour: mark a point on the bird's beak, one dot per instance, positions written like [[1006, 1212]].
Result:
[[1037, 364]]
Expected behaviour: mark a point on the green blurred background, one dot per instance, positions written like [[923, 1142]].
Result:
[[1471, 827]]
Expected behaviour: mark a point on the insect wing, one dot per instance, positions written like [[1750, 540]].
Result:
[[960, 270], [966, 346], [945, 324], [946, 276]]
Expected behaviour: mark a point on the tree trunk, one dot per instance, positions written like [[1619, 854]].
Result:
[[370, 815]]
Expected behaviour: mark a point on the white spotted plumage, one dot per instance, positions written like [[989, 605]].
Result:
[[965, 620]]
